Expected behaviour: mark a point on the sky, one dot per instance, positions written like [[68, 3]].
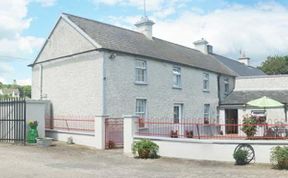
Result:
[[257, 27]]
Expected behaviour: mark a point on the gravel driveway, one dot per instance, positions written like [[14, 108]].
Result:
[[76, 161]]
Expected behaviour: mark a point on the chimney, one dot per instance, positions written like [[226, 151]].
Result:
[[243, 59], [145, 26], [203, 46]]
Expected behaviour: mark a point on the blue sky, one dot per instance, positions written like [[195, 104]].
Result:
[[260, 28]]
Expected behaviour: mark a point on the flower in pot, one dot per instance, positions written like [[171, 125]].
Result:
[[174, 134], [189, 134], [279, 157], [111, 144], [240, 157], [249, 126], [33, 132], [145, 149]]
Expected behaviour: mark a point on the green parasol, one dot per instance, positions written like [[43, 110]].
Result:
[[265, 102]]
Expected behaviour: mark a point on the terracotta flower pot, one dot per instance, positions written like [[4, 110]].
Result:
[[144, 154]]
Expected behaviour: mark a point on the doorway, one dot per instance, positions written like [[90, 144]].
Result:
[[231, 121]]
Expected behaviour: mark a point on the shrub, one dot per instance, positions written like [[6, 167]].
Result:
[[249, 126], [145, 149], [279, 157], [240, 157]]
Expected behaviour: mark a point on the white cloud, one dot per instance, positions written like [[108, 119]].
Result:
[[260, 30], [46, 3], [159, 8], [24, 82], [13, 21]]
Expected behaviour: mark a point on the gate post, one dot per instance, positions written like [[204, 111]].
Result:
[[100, 131], [130, 127]]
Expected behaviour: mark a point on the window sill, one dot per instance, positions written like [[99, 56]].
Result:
[[177, 87], [140, 83], [206, 91]]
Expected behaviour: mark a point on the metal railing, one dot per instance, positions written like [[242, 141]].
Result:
[[188, 128], [71, 123]]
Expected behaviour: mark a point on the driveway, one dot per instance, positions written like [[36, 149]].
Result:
[[72, 161]]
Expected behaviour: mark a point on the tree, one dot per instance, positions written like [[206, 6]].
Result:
[[275, 65], [25, 91]]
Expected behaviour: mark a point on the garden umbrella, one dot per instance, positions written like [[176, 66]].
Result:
[[265, 102]]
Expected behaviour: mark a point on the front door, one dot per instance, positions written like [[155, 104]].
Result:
[[231, 121]]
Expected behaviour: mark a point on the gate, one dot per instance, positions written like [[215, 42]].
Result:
[[114, 133], [13, 120]]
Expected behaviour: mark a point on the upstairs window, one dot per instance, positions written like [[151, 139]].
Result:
[[141, 71], [206, 113], [177, 77], [226, 86], [205, 82]]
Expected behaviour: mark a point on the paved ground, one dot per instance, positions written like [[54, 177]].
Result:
[[76, 161]]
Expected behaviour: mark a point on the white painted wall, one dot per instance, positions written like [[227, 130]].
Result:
[[35, 111], [213, 150], [72, 84], [263, 82], [65, 40]]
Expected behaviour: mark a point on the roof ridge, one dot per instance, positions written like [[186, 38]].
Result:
[[128, 30], [122, 28]]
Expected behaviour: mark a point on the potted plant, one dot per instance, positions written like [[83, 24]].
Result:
[[240, 157], [249, 126], [174, 134], [189, 134], [145, 149], [32, 133], [111, 144], [279, 157]]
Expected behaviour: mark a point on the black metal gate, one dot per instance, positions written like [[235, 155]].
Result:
[[13, 120]]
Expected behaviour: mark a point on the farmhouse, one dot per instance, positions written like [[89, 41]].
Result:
[[88, 68]]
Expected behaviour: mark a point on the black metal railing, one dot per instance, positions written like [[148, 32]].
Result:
[[13, 120]]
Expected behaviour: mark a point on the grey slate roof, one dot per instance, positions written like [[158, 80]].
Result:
[[128, 41], [239, 68], [242, 97]]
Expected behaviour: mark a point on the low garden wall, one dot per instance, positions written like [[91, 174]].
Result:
[[213, 150], [198, 149]]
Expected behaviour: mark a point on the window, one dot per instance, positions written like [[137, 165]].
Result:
[[177, 115], [206, 113], [206, 82], [141, 71], [141, 108], [226, 86], [177, 77]]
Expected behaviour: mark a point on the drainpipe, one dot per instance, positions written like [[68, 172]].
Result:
[[285, 110], [41, 81]]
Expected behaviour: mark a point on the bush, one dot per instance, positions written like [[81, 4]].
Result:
[[249, 126], [240, 157], [279, 157], [145, 149]]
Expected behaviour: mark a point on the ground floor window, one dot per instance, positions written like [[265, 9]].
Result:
[[177, 113], [206, 113], [141, 105]]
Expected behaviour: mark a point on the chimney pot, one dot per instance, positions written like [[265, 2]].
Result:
[[145, 26]]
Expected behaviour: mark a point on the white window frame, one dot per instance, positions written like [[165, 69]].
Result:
[[226, 83], [205, 82], [177, 82], [180, 107], [206, 113], [141, 68], [142, 113]]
